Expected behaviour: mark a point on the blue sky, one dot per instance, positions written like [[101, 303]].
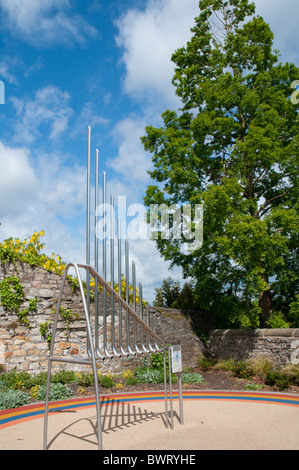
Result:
[[70, 64]]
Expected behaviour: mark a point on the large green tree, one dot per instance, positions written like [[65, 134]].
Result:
[[233, 147]]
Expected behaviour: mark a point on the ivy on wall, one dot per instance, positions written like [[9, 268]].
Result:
[[12, 296]]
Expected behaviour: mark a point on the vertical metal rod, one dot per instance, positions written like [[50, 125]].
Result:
[[127, 276], [134, 285], [127, 269], [119, 256], [148, 331], [88, 200], [120, 288], [170, 387], [140, 301], [88, 232], [181, 398], [104, 227], [112, 235], [96, 256], [141, 315], [105, 222], [134, 303], [94, 366], [134, 308], [165, 391]]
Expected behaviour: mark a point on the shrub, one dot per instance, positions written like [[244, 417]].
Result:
[[261, 366], [242, 370], [64, 377], [58, 391], [205, 363], [149, 375], [131, 380], [225, 364], [252, 386], [278, 378], [39, 379], [292, 371], [157, 360], [85, 380], [15, 380], [191, 378], [13, 399], [106, 381]]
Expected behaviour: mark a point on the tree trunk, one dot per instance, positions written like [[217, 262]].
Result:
[[265, 299]]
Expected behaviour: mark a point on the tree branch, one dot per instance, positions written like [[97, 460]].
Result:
[[261, 211]]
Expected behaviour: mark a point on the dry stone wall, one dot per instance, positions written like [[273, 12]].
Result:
[[24, 348], [281, 345]]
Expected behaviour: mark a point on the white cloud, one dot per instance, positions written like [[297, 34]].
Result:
[[43, 22], [131, 162], [50, 106], [149, 38], [283, 20], [7, 66], [17, 180], [42, 192]]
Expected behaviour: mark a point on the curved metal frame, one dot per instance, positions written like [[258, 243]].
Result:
[[91, 343]]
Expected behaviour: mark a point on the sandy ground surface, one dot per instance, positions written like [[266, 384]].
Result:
[[212, 424]]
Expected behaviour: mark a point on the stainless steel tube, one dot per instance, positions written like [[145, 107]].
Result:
[[104, 234], [96, 259], [112, 230], [88, 232], [127, 277], [138, 351]]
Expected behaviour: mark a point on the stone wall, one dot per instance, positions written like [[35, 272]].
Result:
[[25, 348], [281, 345]]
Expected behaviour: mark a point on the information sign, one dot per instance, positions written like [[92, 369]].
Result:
[[176, 358]]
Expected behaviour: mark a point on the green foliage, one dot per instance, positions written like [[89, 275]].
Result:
[[12, 296], [21, 380], [85, 380], [106, 381], [131, 380], [205, 363], [12, 293], [157, 360], [68, 316], [13, 399], [252, 386], [294, 313], [260, 367], [64, 377], [57, 391], [171, 295], [278, 378], [242, 370], [276, 320], [149, 375], [44, 329], [233, 147], [29, 251], [191, 378]]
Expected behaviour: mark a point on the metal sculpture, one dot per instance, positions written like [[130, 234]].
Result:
[[135, 334]]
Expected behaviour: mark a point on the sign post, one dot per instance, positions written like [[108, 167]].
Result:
[[176, 367]]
